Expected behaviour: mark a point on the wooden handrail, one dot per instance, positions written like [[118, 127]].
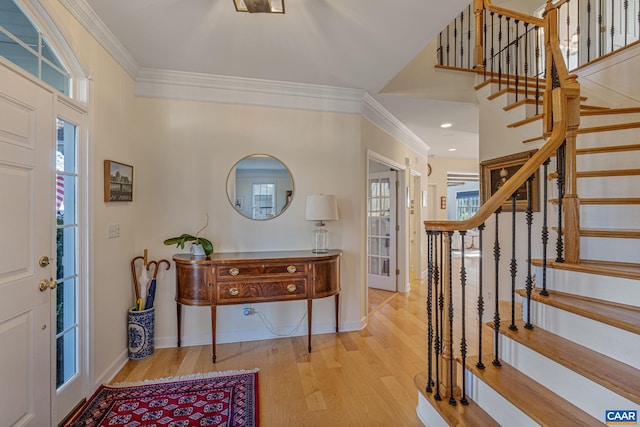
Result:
[[564, 102], [513, 14]]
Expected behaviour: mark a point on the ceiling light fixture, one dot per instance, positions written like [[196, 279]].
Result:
[[256, 6], [452, 149], [446, 125]]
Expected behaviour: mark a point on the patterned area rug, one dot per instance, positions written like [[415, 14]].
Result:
[[215, 399]]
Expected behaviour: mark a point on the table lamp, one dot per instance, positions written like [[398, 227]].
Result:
[[320, 208]]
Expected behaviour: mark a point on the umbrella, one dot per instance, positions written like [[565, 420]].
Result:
[[143, 280]]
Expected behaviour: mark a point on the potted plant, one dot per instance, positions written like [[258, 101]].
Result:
[[199, 245]]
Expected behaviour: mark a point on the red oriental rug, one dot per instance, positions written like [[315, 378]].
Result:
[[215, 399]]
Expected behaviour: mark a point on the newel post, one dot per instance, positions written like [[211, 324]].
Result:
[[571, 201], [447, 364], [478, 8]]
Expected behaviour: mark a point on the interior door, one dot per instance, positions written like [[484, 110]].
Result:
[[26, 178], [381, 231]]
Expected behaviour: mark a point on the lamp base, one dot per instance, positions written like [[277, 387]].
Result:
[[320, 242]]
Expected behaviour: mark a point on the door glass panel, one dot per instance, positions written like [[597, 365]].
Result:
[[67, 302]]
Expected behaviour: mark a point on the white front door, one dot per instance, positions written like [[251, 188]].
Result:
[[381, 231], [26, 198]]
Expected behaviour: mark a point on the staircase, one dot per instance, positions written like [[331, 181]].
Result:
[[575, 354]]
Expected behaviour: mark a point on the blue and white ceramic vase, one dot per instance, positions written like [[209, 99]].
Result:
[[141, 331]]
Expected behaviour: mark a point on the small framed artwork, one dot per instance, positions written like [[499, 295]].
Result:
[[118, 182], [495, 172]]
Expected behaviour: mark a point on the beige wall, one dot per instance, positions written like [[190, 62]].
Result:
[[440, 166], [184, 151]]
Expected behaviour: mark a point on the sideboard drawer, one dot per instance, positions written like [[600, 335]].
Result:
[[244, 270], [261, 291]]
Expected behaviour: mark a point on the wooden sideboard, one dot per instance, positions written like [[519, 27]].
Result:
[[253, 277]]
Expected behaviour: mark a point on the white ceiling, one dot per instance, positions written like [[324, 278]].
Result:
[[360, 44]]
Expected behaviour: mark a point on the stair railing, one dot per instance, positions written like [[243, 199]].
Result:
[[561, 120]]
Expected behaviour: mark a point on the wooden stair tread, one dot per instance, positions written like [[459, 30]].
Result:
[[608, 128], [605, 268], [616, 233], [605, 111], [608, 149], [605, 201], [592, 107], [612, 374], [512, 89], [526, 121], [538, 402], [602, 173], [470, 415], [621, 316]]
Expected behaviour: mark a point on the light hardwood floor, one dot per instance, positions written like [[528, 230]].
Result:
[[362, 378]]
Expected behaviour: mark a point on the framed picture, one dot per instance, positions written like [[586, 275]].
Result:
[[495, 172], [118, 182]]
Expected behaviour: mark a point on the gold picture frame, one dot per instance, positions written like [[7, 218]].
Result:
[[494, 172], [118, 182]]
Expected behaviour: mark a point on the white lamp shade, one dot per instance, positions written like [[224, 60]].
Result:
[[321, 207]]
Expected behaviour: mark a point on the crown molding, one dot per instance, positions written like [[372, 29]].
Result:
[[94, 25], [239, 90], [380, 116]]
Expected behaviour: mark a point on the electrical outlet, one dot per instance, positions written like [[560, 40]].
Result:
[[113, 231], [248, 311]]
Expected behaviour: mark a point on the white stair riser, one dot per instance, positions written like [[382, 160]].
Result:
[[599, 216], [606, 161], [613, 342], [500, 409], [609, 249], [614, 186], [617, 289], [615, 137], [608, 119], [580, 391], [427, 414]]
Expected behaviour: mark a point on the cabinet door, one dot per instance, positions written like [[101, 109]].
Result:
[[192, 284]]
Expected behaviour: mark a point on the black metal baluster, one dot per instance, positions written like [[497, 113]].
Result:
[[529, 282], [492, 44], [602, 33], [545, 228], [484, 47], [461, 39], [440, 50], [499, 50], [480, 365], [441, 297], [514, 264], [568, 32], [448, 45], [517, 48], [613, 27], [588, 30], [526, 60], [438, 341], [560, 158], [537, 70], [452, 400], [469, 65], [463, 341], [508, 51], [455, 42], [496, 314], [430, 309]]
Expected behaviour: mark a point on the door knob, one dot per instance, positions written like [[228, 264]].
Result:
[[43, 261], [47, 284]]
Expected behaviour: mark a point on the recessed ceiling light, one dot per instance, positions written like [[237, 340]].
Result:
[[446, 125], [452, 149]]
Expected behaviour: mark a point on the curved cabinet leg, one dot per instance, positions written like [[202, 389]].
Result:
[[179, 317]]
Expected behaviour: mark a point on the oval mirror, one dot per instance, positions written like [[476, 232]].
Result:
[[260, 187]]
